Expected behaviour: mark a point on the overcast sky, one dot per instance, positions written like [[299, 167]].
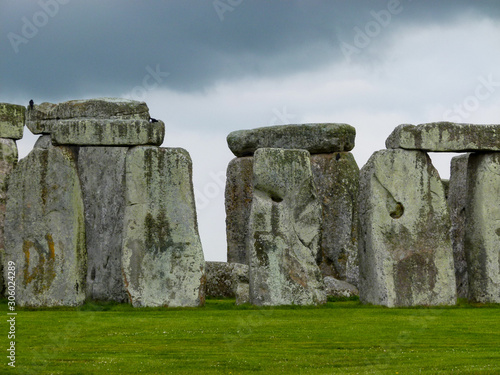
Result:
[[207, 68]]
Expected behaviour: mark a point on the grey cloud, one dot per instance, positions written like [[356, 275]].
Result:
[[106, 47]]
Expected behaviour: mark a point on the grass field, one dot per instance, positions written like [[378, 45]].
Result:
[[220, 338]]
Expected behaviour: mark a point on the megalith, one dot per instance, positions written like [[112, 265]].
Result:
[[482, 235], [336, 177], [96, 122], [285, 230], [445, 137], [8, 160], [162, 257], [316, 138], [102, 176], [228, 280], [45, 230], [405, 250], [457, 200], [12, 119], [238, 200]]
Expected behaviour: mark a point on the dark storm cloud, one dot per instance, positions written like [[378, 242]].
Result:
[[109, 47]]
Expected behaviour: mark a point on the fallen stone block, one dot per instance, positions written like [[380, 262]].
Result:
[[285, 223], [482, 234], [12, 118], [238, 200], [315, 138], [457, 200], [445, 137], [336, 177], [45, 230], [102, 176], [8, 160], [405, 251], [339, 288], [162, 257], [229, 280]]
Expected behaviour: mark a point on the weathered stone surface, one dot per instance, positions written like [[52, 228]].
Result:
[[482, 236], [39, 120], [336, 177], [241, 282], [315, 138], [88, 132], [8, 160], [96, 122], [162, 257], [457, 200], [405, 251], [102, 176], [339, 288], [445, 137], [45, 230], [238, 200], [44, 141], [12, 118], [44, 115], [285, 221], [227, 280], [446, 187]]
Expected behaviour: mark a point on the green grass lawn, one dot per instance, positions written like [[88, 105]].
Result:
[[220, 338]]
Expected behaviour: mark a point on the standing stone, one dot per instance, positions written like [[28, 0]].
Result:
[[45, 230], [102, 175], [238, 200], [162, 257], [405, 251], [8, 160], [457, 200], [285, 223], [12, 119], [482, 236], [336, 177]]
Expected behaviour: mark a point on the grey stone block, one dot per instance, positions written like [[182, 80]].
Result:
[[405, 251], [45, 230], [445, 137], [285, 223], [482, 234], [315, 138], [162, 257]]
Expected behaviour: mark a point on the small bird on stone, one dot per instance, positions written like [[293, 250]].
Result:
[[31, 103], [152, 119]]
